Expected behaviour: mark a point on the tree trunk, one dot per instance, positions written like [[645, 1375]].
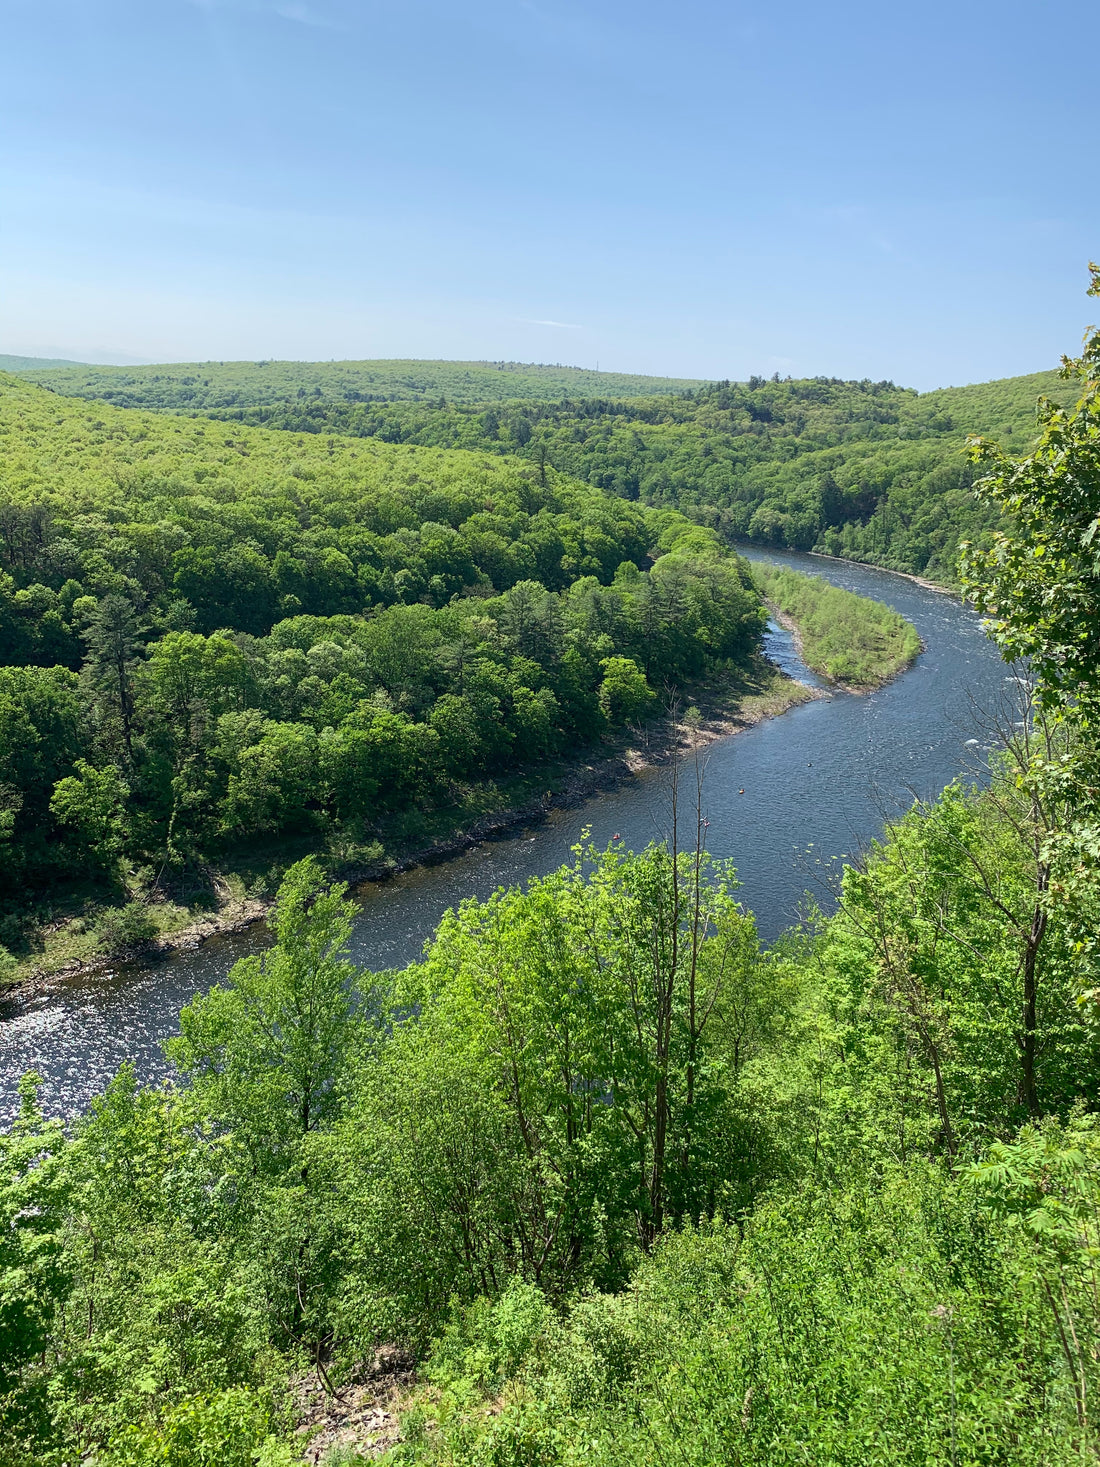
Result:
[[1030, 1037]]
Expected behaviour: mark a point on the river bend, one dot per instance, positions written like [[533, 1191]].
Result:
[[818, 782]]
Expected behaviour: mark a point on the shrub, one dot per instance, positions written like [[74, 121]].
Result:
[[226, 1430], [125, 930]]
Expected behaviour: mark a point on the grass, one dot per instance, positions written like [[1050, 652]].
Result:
[[775, 693], [71, 932], [850, 639]]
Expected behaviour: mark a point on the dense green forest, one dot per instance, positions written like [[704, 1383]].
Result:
[[866, 470], [211, 635], [624, 1188], [849, 638], [214, 387]]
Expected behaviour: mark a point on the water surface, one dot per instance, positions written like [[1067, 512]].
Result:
[[784, 800]]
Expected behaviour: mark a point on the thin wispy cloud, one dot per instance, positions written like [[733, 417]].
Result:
[[292, 10], [305, 15], [561, 325]]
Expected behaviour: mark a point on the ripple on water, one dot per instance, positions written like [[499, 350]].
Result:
[[818, 783]]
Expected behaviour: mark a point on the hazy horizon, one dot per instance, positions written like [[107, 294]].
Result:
[[570, 366], [855, 191]]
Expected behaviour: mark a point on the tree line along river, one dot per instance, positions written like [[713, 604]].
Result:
[[786, 800]]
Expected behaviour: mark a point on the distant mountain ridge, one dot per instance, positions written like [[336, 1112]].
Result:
[[10, 363], [204, 387]]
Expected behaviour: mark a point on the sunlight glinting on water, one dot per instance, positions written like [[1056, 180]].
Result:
[[817, 783]]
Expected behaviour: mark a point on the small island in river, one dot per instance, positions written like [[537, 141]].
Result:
[[852, 640]]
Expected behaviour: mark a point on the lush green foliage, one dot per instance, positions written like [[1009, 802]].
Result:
[[849, 638], [212, 387], [271, 1053], [886, 1322], [220, 635], [634, 1191], [866, 470], [571, 1085], [1039, 580], [1039, 583], [655, 1193]]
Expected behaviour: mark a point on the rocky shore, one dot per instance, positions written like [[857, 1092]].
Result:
[[657, 744]]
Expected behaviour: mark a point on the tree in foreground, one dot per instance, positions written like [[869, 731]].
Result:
[[1039, 584], [1039, 580], [271, 1051]]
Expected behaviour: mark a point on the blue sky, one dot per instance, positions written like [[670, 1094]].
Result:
[[705, 189]]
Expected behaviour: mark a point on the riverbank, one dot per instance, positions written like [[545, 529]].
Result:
[[905, 575], [240, 894]]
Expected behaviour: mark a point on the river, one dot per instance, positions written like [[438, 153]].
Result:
[[817, 782]]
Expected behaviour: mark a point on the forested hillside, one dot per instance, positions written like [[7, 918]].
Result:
[[205, 387], [211, 633], [866, 470], [598, 1181]]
